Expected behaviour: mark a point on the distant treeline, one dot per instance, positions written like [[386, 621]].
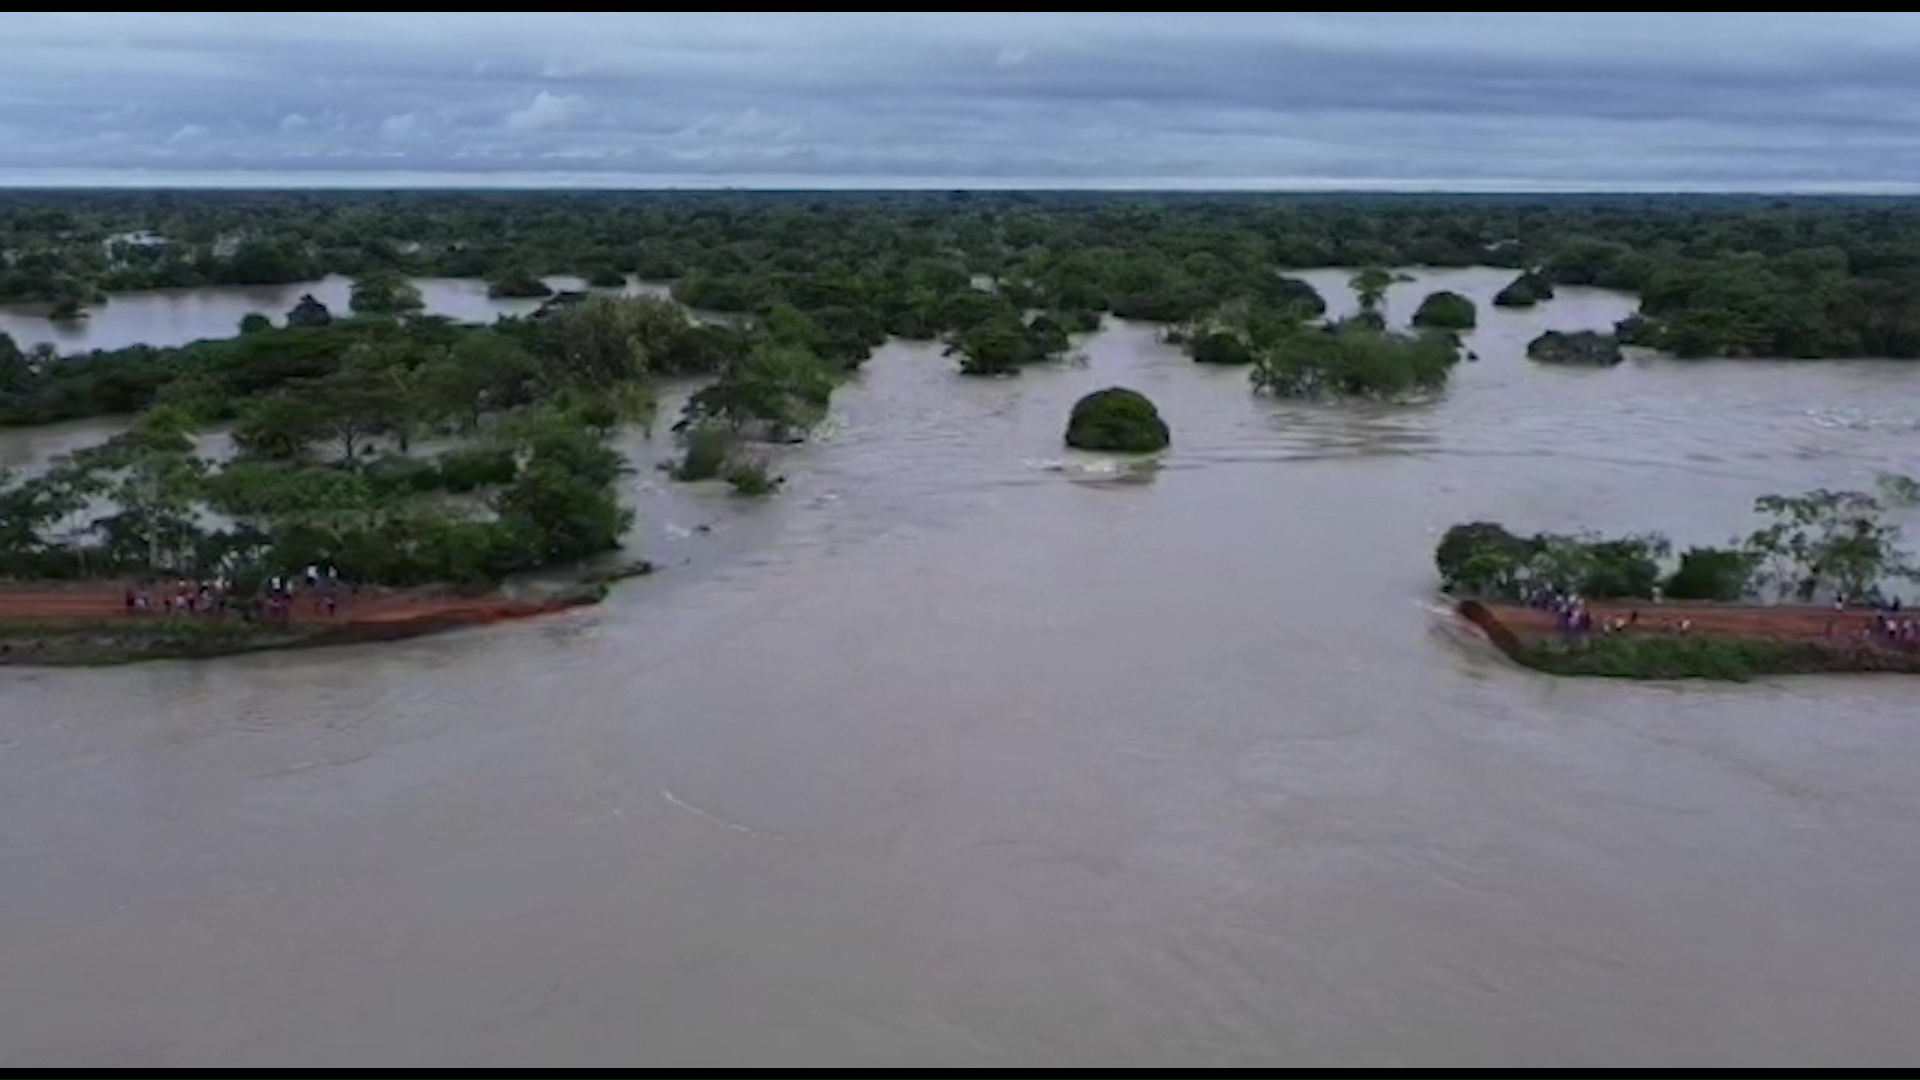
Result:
[[1804, 277]]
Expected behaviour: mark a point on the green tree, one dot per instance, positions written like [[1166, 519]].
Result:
[[776, 392], [606, 339], [1705, 573], [1370, 287], [1827, 542], [160, 480], [1445, 310], [309, 312], [998, 346], [518, 282], [1116, 419], [384, 292], [281, 426], [484, 371], [264, 262], [1482, 558], [1526, 290], [15, 371], [1352, 361], [565, 514]]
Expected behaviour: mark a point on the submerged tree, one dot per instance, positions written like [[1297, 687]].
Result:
[[1352, 361], [518, 282], [1116, 419], [1445, 310], [1370, 287], [1528, 289], [776, 392], [384, 292], [309, 312]]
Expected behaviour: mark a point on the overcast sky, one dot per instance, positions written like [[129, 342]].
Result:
[[1526, 100]]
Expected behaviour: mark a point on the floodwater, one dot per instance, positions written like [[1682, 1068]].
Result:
[[967, 751], [167, 317]]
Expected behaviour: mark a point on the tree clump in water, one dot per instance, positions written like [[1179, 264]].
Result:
[[1354, 360], [999, 340], [751, 476], [1117, 419], [309, 312], [1528, 289], [518, 282], [1587, 347], [384, 293], [1445, 310], [1220, 347]]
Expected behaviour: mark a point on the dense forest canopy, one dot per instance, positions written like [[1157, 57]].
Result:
[[1725, 275]]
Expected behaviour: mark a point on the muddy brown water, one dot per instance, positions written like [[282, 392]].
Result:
[[966, 750]]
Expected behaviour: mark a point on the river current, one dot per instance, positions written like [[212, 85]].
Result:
[[968, 750]]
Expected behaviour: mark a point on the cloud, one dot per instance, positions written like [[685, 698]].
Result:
[[1578, 99], [398, 127], [546, 112], [747, 125]]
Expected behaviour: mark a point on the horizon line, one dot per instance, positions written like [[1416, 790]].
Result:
[[408, 180]]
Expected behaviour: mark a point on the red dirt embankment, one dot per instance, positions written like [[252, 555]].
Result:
[[386, 610], [1797, 623]]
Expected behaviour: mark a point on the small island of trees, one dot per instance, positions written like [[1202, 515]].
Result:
[[1445, 310], [309, 312], [1526, 290], [384, 293], [1355, 361], [519, 282], [1584, 347], [1354, 358], [1117, 419]]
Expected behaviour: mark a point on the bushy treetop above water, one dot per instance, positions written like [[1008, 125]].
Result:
[[1526, 290], [1117, 419], [1583, 347], [1445, 310]]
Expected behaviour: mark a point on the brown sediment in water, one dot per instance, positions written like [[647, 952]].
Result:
[[90, 623]]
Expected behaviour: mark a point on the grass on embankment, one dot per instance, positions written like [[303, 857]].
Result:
[[120, 640], [1736, 659]]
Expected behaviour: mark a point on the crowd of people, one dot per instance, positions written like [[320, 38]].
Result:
[[318, 591], [1891, 628], [1575, 621]]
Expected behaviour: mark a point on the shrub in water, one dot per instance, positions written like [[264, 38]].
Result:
[[1116, 419]]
